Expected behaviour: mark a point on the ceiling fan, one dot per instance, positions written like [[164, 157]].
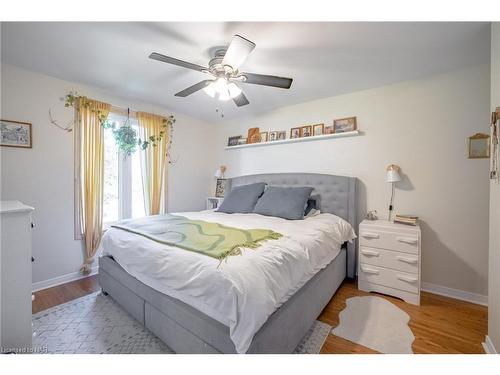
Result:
[[224, 70]]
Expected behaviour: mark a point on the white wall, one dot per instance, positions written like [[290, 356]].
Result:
[[494, 263], [42, 177], [420, 125]]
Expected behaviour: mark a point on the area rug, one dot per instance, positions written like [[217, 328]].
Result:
[[377, 324], [96, 324]]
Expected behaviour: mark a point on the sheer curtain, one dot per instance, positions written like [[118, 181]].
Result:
[[90, 115], [154, 162]]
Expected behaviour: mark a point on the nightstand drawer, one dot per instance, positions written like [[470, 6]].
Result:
[[387, 277], [389, 259], [407, 243]]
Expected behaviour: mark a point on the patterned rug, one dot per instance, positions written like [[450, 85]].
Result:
[[375, 323], [96, 324]]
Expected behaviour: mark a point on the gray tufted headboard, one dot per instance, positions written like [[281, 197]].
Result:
[[337, 195]]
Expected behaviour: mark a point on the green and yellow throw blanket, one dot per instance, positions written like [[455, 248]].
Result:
[[212, 239]]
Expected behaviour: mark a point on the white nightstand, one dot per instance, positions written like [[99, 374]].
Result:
[[389, 259], [213, 202]]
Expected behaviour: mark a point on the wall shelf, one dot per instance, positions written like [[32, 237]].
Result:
[[294, 140]]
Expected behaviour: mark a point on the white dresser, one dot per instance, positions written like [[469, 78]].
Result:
[[389, 259], [15, 276]]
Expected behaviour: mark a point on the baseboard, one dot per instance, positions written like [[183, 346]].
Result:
[[39, 285], [455, 293], [488, 346]]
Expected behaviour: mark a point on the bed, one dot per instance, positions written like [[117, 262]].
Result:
[[190, 317]]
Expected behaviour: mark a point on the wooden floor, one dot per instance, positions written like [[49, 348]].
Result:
[[51, 297], [440, 324]]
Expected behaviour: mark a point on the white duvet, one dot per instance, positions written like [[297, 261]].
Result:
[[244, 290]]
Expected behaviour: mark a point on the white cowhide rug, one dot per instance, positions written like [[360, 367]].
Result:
[[377, 324]]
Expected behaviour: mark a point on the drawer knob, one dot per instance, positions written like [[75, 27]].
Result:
[[411, 241], [370, 253], [370, 235], [407, 260], [407, 278], [369, 270]]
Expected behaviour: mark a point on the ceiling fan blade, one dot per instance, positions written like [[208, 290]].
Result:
[[238, 51], [241, 100], [265, 80], [192, 89], [171, 60]]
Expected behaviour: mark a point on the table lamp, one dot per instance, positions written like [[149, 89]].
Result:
[[220, 185], [392, 177]]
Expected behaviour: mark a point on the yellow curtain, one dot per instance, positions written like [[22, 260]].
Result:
[[154, 161], [90, 114]]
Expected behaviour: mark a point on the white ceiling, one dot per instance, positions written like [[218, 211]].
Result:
[[324, 59]]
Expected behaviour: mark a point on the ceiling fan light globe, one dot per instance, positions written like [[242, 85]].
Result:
[[210, 90], [224, 95], [234, 90]]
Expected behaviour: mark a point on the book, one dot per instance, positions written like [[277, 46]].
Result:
[[406, 219]]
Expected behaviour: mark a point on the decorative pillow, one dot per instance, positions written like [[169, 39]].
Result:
[[242, 199], [285, 202]]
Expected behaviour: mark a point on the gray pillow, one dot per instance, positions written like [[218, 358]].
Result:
[[285, 202], [242, 199]]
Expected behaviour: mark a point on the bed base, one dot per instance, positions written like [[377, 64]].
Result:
[[186, 330]]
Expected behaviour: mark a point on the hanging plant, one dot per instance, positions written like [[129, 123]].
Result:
[[125, 136]]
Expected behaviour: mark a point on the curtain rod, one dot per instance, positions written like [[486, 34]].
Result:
[[133, 113], [123, 111]]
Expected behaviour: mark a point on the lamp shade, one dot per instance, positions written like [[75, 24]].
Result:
[[393, 174], [218, 173]]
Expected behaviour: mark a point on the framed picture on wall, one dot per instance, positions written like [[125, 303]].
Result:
[[15, 134], [479, 146]]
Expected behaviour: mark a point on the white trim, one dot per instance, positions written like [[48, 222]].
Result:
[[44, 284], [293, 140], [488, 346], [455, 293]]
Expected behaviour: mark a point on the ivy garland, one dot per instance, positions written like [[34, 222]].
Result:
[[126, 137]]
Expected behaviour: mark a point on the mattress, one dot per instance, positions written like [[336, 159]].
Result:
[[245, 290]]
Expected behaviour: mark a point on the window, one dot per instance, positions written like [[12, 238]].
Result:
[[123, 194]]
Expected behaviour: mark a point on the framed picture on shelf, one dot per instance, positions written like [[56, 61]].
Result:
[[15, 134], [264, 136], [343, 125], [253, 135], [242, 141], [328, 129], [318, 129], [294, 133], [234, 141], [281, 135], [273, 136], [305, 131]]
